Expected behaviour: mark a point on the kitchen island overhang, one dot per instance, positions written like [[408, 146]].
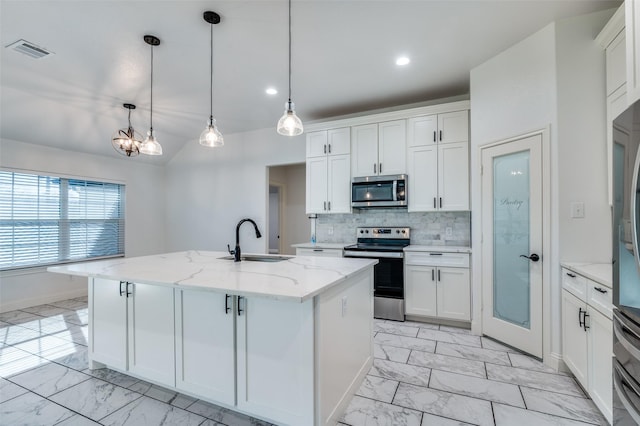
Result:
[[288, 342]]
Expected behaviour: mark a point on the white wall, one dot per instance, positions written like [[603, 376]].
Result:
[[144, 214], [582, 152], [552, 80], [210, 190]]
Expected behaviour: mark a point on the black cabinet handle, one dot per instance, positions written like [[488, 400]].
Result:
[[580, 311], [121, 292], [226, 303], [240, 311], [374, 168], [325, 148], [440, 134], [434, 202], [380, 168], [440, 202], [600, 290], [571, 275], [434, 135], [433, 277], [324, 205], [438, 274], [329, 204], [584, 321], [329, 148], [129, 293]]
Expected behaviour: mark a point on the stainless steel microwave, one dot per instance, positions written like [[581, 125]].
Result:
[[379, 191]]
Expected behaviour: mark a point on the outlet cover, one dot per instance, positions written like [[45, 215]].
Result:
[[330, 230], [344, 306], [448, 231], [577, 210]]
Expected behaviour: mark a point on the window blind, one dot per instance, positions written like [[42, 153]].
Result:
[[46, 220]]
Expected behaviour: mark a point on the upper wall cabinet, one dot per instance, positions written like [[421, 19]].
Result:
[[612, 38], [378, 149], [632, 30], [328, 171], [438, 162]]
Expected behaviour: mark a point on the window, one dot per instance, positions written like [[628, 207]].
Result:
[[46, 220]]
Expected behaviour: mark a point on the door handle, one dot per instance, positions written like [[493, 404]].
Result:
[[240, 311], [534, 257], [440, 202], [226, 303]]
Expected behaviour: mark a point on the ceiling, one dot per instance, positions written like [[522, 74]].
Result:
[[343, 61]]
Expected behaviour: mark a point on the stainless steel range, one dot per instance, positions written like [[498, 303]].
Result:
[[386, 245]]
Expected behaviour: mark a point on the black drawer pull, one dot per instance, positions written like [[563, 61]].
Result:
[[318, 249], [600, 290], [435, 254], [571, 275]]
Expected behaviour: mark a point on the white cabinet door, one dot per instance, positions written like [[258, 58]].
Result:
[[108, 322], [276, 359], [454, 293], [151, 325], [632, 40], [420, 290], [339, 141], [616, 63], [317, 144], [205, 344], [364, 150], [422, 130], [453, 127], [339, 184], [574, 337], [317, 185], [422, 173], [600, 354], [453, 176], [392, 142]]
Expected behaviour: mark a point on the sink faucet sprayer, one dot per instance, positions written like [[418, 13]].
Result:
[[236, 253]]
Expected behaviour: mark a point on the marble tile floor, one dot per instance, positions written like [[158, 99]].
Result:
[[422, 375]]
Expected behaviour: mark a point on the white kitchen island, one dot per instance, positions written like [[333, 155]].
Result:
[[288, 342]]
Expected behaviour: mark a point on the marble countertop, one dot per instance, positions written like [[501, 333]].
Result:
[[600, 272], [297, 279], [441, 249], [335, 246]]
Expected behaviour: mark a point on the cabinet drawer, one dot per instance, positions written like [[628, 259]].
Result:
[[599, 297], [575, 284], [459, 260], [318, 252]]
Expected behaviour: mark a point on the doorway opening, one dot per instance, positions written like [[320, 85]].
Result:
[[287, 221]]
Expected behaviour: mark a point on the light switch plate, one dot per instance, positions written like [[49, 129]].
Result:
[[577, 210]]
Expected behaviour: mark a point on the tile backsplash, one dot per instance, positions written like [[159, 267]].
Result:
[[426, 228]]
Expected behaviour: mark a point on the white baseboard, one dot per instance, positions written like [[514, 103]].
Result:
[[555, 361], [35, 301]]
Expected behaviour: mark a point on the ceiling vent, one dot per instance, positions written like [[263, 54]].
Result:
[[29, 49]]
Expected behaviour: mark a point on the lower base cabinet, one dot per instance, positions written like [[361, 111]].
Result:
[[438, 291], [273, 359], [131, 321], [587, 337]]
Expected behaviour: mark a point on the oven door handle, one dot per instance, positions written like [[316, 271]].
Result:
[[374, 254], [621, 380]]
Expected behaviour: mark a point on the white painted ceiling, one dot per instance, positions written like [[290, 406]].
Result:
[[343, 61]]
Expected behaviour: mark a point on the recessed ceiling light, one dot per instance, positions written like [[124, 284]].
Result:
[[271, 91], [403, 60]]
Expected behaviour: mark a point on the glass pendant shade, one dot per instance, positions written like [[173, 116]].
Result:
[[289, 124], [211, 136], [150, 145]]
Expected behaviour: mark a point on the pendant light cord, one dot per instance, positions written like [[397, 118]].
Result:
[[289, 53], [211, 76], [151, 117]]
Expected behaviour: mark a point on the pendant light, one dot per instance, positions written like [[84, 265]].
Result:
[[127, 141], [211, 136], [150, 145], [289, 124]]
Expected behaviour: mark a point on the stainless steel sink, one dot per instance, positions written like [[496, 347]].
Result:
[[259, 258]]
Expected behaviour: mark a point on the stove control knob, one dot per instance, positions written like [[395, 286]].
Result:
[[367, 231], [398, 231], [361, 231], [403, 231]]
